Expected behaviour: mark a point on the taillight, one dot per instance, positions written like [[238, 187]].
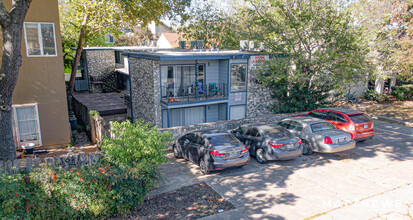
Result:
[[327, 140], [372, 124], [352, 137], [245, 150], [300, 141], [275, 145], [351, 127], [217, 153]]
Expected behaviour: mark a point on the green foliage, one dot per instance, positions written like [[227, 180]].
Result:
[[322, 51], [92, 113], [135, 145], [213, 24], [120, 180], [372, 95], [403, 92]]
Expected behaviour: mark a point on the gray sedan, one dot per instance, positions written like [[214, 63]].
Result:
[[318, 135], [269, 142]]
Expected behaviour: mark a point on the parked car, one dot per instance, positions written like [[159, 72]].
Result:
[[318, 135], [211, 150], [358, 124], [269, 142]]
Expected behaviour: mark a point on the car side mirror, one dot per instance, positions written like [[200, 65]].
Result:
[[186, 141]]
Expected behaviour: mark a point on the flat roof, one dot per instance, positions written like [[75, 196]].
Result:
[[104, 103], [198, 54]]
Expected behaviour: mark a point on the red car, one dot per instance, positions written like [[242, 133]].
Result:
[[358, 124]]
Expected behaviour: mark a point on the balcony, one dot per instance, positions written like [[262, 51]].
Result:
[[172, 93]]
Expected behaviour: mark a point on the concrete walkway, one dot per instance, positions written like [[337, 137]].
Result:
[[375, 180]]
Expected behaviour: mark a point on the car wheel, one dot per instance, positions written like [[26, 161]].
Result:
[[307, 148], [203, 166], [260, 155], [177, 153]]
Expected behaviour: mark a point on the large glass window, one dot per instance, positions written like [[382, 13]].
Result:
[[40, 39], [238, 77], [179, 80]]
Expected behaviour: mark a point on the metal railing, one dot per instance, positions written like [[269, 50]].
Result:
[[193, 92]]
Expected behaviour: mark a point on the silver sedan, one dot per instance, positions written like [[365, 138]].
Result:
[[318, 135]]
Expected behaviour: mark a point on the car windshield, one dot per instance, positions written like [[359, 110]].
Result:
[[322, 126], [222, 140], [362, 118], [278, 133]]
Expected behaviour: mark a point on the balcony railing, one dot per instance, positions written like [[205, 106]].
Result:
[[194, 92]]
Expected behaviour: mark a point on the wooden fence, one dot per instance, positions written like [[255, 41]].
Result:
[[65, 161]]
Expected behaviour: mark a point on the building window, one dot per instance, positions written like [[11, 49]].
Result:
[[237, 112], [238, 77], [26, 124], [40, 39], [109, 39]]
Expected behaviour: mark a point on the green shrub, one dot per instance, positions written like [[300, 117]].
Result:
[[372, 95], [117, 183], [403, 92], [135, 144]]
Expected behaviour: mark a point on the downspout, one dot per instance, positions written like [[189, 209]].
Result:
[[196, 80], [130, 91]]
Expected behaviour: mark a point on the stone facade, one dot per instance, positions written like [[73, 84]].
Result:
[[100, 64], [146, 96], [258, 97]]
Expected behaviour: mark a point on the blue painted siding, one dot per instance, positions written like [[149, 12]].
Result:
[[212, 113]]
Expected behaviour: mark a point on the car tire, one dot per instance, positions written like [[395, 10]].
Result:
[[203, 166], [177, 152], [260, 156], [307, 148]]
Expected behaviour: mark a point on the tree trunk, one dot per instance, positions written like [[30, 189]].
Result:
[[11, 61], [79, 51]]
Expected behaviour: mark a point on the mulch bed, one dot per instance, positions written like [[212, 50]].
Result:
[[190, 202]]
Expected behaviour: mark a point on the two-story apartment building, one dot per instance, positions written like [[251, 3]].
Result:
[[39, 99], [179, 87]]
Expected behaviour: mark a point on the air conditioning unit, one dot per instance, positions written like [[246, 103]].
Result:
[[199, 44], [182, 44], [243, 44], [251, 45], [193, 44]]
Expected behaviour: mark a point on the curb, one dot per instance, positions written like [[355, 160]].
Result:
[[399, 122]]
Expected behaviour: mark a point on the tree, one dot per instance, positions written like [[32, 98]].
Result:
[[85, 19], [139, 35], [402, 16], [11, 23], [216, 24], [320, 49]]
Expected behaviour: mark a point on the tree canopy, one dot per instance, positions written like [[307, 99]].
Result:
[[84, 20]]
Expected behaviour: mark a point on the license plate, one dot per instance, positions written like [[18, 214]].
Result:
[[340, 140], [290, 146], [233, 154], [366, 126]]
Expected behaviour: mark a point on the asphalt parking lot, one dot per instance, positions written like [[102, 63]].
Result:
[[374, 180]]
